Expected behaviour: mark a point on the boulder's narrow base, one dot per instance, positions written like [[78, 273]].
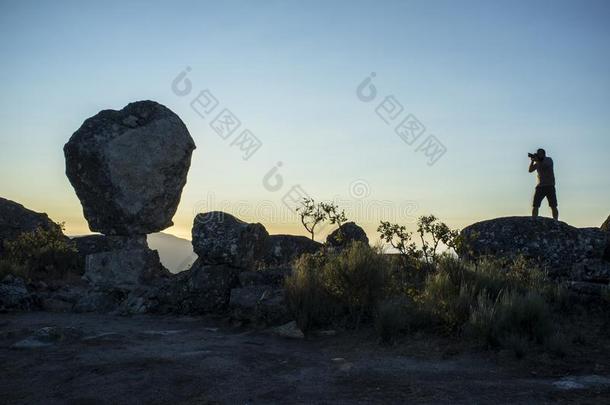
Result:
[[124, 268]]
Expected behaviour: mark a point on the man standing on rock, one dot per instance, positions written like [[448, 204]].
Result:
[[543, 165]]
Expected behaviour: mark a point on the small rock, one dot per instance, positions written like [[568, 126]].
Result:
[[289, 330], [346, 234], [582, 382], [48, 336]]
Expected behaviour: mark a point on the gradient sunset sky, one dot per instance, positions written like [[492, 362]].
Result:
[[491, 80]]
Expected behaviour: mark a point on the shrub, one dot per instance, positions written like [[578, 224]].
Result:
[[400, 314], [42, 253], [509, 316], [332, 287], [358, 278], [8, 267], [557, 344], [307, 295]]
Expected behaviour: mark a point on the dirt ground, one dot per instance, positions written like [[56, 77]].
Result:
[[180, 360]]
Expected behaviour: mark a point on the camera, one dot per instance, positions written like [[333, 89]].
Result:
[[533, 156]]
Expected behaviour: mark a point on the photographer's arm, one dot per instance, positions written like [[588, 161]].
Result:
[[532, 165]]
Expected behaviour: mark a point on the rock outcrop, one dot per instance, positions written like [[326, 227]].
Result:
[[220, 238], [128, 168], [348, 232], [15, 219], [606, 225], [553, 244], [282, 250], [201, 289]]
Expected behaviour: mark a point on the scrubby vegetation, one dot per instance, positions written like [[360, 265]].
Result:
[[40, 254], [495, 304]]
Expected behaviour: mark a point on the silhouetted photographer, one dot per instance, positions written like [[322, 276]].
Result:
[[543, 165]]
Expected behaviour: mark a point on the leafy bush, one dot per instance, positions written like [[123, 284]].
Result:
[[432, 232], [332, 287], [41, 254], [398, 237]]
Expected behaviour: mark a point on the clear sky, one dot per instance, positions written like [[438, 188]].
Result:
[[491, 80]]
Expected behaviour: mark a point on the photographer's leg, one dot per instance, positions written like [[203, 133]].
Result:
[[552, 198], [538, 196]]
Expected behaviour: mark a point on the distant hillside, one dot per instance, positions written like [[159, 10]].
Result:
[[175, 253]]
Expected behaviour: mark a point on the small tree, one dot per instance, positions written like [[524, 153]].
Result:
[[439, 232], [311, 214], [334, 215], [398, 237]]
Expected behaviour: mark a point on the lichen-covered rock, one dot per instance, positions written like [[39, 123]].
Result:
[[260, 305], [100, 301], [201, 289], [220, 238], [348, 232], [14, 295], [15, 219], [128, 168], [284, 249], [591, 270], [551, 243]]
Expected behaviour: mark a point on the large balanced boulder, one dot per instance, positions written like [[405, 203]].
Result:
[[553, 244], [220, 238], [128, 168], [282, 250], [15, 219], [348, 232]]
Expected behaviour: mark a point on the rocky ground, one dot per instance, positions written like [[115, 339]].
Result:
[[69, 358]]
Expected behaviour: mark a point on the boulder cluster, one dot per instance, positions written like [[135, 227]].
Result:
[[128, 169]]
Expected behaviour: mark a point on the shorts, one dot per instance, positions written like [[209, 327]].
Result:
[[548, 192]]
